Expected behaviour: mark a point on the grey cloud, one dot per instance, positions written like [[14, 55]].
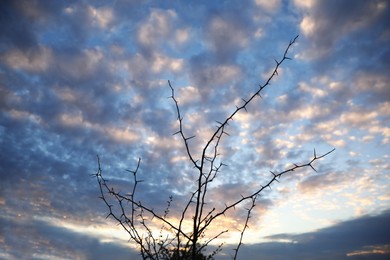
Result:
[[208, 75], [336, 23], [227, 36], [331, 19], [372, 87], [334, 242], [53, 241], [14, 25], [320, 182], [24, 22]]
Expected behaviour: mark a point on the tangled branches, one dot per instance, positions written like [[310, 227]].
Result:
[[172, 240]]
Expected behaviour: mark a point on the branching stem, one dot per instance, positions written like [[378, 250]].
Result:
[[138, 221]]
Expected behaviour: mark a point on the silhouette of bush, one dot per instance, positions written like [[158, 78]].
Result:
[[135, 216]]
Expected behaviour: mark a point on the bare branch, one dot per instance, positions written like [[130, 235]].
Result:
[[180, 119], [138, 219]]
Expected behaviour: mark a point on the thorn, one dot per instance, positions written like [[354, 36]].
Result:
[[313, 168], [133, 172], [315, 156]]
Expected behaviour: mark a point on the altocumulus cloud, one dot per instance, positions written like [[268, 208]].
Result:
[[84, 78]]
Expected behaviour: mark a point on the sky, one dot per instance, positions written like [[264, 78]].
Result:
[[86, 78]]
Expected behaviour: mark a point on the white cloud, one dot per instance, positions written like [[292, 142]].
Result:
[[308, 25], [358, 118], [269, 5], [383, 130], [121, 134], [157, 27], [304, 3], [368, 138], [68, 119], [182, 36], [335, 143], [259, 33], [66, 94], [316, 92], [34, 60], [284, 144], [188, 94], [25, 116], [309, 112], [384, 109], [351, 153], [103, 16], [164, 63]]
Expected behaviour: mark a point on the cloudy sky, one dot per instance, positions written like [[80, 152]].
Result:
[[81, 78]]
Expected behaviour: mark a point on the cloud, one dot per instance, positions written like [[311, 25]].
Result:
[[270, 6], [157, 28], [226, 36], [33, 60], [372, 86], [52, 241], [366, 236], [80, 79], [326, 22], [206, 73], [18, 35], [332, 180], [103, 16]]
